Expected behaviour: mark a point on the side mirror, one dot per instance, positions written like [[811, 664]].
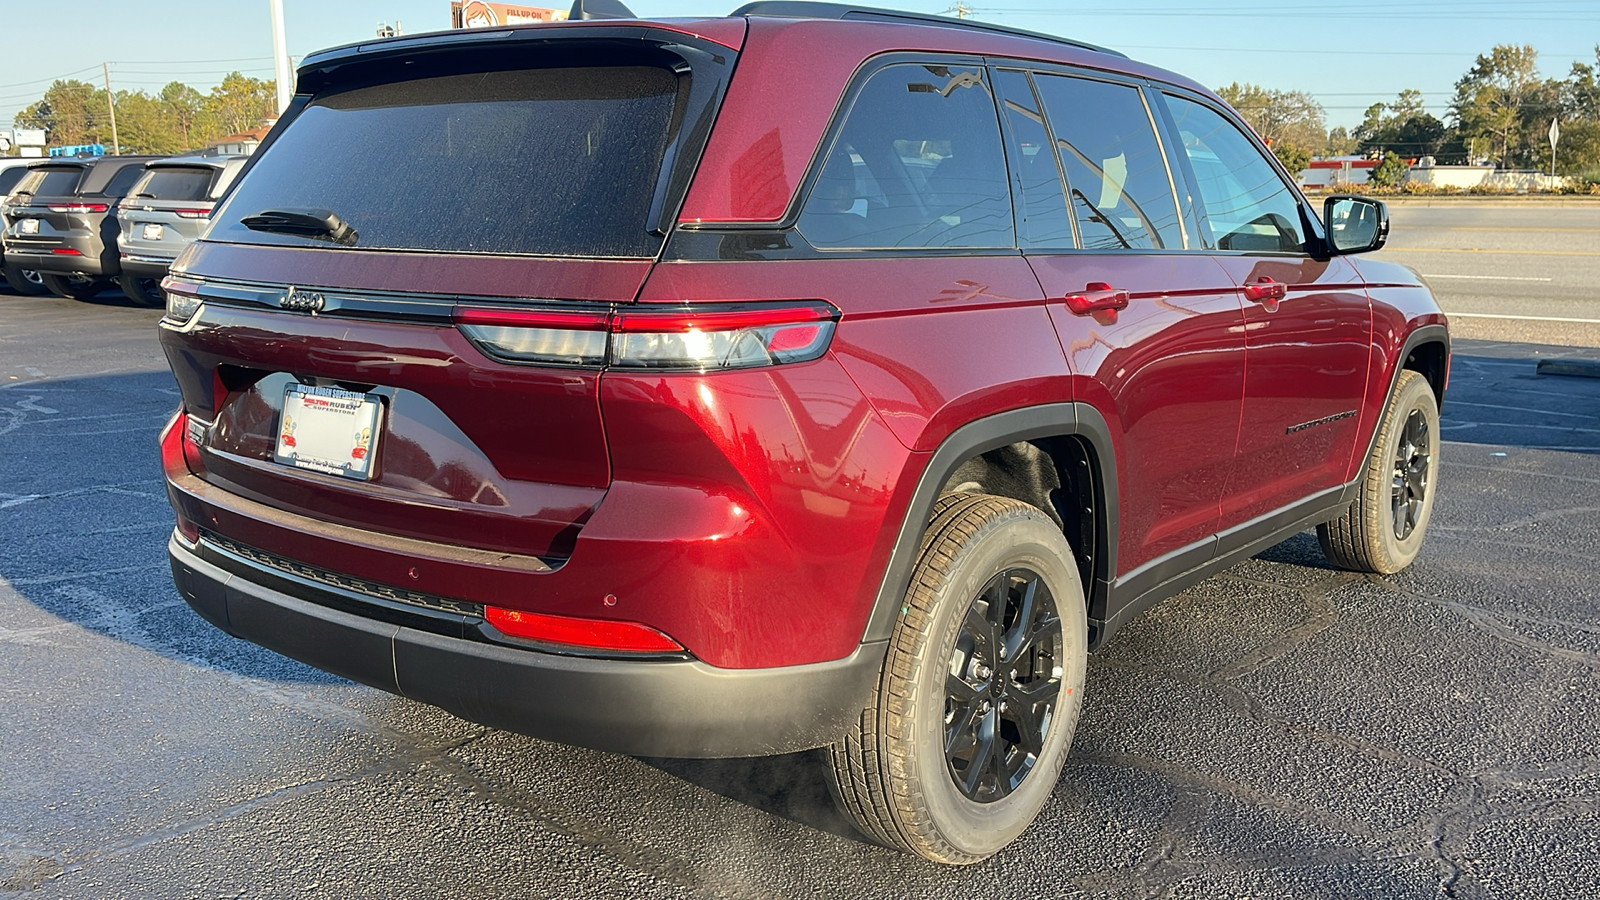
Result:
[[1355, 224]]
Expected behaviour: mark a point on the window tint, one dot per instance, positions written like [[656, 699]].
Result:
[[917, 164], [1247, 204], [1121, 193], [555, 162], [51, 181], [173, 183], [10, 177], [1045, 221], [120, 183]]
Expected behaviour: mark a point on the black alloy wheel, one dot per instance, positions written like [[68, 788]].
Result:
[[1003, 684], [1413, 469]]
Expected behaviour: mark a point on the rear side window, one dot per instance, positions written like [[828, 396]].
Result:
[[1118, 185], [174, 183], [121, 182], [10, 177], [51, 181], [917, 164], [1248, 206], [551, 162]]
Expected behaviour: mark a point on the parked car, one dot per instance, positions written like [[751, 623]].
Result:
[[163, 211], [23, 281], [609, 401], [59, 220]]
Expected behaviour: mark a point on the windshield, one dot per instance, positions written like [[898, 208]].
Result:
[[555, 162]]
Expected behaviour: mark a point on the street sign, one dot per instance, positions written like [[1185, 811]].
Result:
[[1555, 135]]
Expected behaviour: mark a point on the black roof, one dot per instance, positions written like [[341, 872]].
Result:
[[803, 9]]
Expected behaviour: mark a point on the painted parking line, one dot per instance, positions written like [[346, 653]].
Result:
[[1462, 315], [1490, 277], [1494, 252]]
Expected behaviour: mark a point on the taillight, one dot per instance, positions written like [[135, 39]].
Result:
[[183, 299], [590, 634], [66, 251], [192, 213], [78, 207], [686, 338]]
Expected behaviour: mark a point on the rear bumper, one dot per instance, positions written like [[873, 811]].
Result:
[[144, 265], [670, 708], [89, 260]]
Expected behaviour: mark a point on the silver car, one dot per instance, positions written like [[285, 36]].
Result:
[[163, 212]]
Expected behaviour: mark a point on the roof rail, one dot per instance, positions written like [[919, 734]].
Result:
[[804, 9]]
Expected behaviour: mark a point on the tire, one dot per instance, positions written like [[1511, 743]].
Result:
[[25, 281], [143, 290], [1383, 528], [891, 774], [73, 287]]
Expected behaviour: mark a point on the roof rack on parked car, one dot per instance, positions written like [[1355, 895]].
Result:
[[805, 9]]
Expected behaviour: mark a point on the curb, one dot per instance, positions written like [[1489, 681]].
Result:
[[1581, 368]]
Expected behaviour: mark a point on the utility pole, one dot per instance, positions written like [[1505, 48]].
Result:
[[116, 145], [280, 57], [961, 10]]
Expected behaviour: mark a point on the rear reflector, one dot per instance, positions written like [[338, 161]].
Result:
[[592, 634], [687, 338], [66, 251]]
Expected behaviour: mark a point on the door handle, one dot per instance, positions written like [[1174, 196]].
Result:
[[1097, 296], [1266, 292]]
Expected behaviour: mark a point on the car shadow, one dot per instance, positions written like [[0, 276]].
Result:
[[793, 786], [1497, 397]]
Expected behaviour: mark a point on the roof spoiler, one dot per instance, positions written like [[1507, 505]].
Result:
[[599, 9]]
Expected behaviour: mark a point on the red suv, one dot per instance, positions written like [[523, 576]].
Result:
[[811, 377]]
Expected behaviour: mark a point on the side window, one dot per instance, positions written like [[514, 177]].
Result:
[[1247, 204], [917, 164], [1044, 219], [120, 183], [1119, 187]]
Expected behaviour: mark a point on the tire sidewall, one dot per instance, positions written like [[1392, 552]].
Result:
[[1414, 395], [980, 829]]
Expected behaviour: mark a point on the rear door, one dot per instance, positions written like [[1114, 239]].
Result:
[[165, 210], [1308, 321], [39, 212], [1104, 225]]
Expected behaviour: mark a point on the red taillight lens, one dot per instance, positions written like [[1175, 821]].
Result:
[[688, 338], [592, 634], [66, 251], [193, 213], [78, 207]]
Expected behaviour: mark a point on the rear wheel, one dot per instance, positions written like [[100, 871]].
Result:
[[74, 287], [980, 690], [25, 281], [1383, 528], [143, 290]]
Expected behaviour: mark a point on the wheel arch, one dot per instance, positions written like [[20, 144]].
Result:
[[1426, 351], [1074, 437]]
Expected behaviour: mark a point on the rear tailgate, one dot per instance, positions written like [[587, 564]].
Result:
[[527, 180]]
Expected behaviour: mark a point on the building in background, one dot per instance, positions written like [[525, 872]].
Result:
[[244, 143], [478, 14]]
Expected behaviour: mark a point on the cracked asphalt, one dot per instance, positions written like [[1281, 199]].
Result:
[[1280, 730]]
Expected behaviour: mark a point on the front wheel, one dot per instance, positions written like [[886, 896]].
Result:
[[25, 281], [73, 287], [143, 290], [980, 689], [1383, 528]]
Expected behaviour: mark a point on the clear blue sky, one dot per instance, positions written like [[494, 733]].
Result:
[[1348, 55]]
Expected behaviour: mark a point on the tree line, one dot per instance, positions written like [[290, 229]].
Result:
[[1501, 113], [177, 118]]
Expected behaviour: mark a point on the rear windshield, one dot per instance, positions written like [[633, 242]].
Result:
[[550, 162], [174, 183], [51, 181]]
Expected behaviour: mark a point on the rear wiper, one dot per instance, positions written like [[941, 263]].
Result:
[[143, 194], [324, 224]]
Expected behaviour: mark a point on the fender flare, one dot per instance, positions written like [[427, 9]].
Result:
[[1049, 420]]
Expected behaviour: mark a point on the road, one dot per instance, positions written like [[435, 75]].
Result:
[[1527, 271], [1279, 730]]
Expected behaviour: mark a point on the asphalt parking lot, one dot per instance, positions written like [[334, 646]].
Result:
[[1280, 730]]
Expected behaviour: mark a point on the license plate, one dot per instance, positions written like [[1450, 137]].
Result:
[[152, 232], [28, 226], [328, 430]]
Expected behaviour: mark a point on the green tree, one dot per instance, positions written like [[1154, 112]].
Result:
[[1500, 98], [1279, 116], [1339, 143], [1294, 157], [1389, 172], [70, 112], [1403, 126], [239, 103], [184, 106]]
